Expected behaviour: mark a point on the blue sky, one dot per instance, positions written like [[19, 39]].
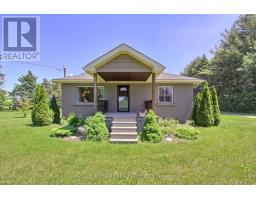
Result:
[[75, 40]]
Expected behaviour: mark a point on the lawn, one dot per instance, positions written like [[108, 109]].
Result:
[[222, 155]]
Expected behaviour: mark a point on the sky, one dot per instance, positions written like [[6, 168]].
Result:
[[75, 40]]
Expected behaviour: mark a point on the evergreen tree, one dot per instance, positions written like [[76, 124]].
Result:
[[52, 88], [233, 66], [25, 106], [25, 88], [198, 99], [216, 109], [205, 111], [56, 110], [41, 113], [151, 131], [200, 67]]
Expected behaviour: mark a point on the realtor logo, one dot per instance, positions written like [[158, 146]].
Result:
[[21, 38]]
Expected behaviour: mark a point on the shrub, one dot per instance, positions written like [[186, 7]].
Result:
[[56, 110], [82, 121], [168, 125], [216, 108], [41, 113], [72, 120], [151, 131], [204, 116], [96, 128], [187, 132], [63, 131], [198, 100]]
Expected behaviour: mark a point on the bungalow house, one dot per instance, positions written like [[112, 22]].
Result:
[[123, 83]]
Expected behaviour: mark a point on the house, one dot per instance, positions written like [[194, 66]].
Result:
[[123, 83]]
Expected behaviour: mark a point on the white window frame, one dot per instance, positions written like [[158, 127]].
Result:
[[158, 96], [78, 102]]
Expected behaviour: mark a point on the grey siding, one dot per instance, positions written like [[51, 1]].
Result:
[[139, 93], [183, 103], [69, 101], [124, 63]]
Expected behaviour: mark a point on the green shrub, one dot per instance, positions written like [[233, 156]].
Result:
[[151, 131], [41, 113], [96, 127], [56, 110], [82, 121], [197, 103], [187, 132], [72, 120], [204, 116], [216, 108], [63, 131], [168, 125]]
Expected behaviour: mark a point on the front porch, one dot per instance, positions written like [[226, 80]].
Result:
[[124, 66], [125, 96]]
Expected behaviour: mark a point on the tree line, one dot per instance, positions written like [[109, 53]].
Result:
[[22, 96], [232, 69]]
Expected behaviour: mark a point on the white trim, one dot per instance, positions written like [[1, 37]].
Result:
[[158, 95], [157, 81]]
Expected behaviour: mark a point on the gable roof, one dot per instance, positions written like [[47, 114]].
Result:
[[124, 49], [162, 78]]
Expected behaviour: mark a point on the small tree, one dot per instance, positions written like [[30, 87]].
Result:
[[41, 113], [216, 108], [56, 110], [205, 110], [25, 106], [151, 131], [198, 100]]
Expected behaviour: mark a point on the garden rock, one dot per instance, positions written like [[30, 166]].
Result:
[[168, 138]]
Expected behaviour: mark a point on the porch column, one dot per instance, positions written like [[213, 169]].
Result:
[[95, 91], [154, 92]]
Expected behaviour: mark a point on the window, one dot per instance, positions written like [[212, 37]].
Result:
[[165, 94], [85, 94]]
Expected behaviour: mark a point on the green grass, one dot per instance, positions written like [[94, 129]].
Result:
[[222, 155]]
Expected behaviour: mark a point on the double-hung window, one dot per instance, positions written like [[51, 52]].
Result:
[[165, 94]]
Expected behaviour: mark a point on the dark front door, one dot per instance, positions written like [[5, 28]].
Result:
[[123, 98]]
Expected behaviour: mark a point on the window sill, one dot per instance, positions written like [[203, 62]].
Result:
[[83, 104]]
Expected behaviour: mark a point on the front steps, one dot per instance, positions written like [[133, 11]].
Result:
[[124, 130]]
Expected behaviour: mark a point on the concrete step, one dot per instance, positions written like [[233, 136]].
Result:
[[131, 135], [124, 124], [123, 140], [124, 129], [124, 119]]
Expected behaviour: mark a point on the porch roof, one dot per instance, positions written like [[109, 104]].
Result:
[[162, 78]]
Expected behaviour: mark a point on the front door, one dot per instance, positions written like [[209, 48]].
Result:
[[123, 98]]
